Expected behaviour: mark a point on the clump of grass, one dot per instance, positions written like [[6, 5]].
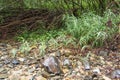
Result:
[[25, 47], [90, 29]]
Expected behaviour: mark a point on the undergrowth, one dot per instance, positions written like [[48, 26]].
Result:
[[88, 29]]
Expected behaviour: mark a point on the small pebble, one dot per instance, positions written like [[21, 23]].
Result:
[[15, 62]]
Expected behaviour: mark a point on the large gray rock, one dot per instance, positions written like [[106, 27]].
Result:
[[51, 64]]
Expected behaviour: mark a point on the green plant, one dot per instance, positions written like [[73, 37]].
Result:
[[42, 48], [90, 29], [25, 47], [13, 52]]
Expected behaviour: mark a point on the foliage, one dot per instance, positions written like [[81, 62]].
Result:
[[90, 29], [71, 6]]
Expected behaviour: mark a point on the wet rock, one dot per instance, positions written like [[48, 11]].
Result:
[[15, 62], [51, 64], [116, 74]]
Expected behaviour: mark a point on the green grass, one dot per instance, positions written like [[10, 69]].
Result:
[[90, 29]]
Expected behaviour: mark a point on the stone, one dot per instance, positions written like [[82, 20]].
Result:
[[96, 71], [45, 74], [1, 69], [86, 65], [21, 59], [58, 54], [40, 78], [66, 62], [7, 61], [31, 70], [15, 62], [51, 65], [103, 53], [1, 65], [116, 74], [3, 76], [14, 77], [88, 78], [56, 78]]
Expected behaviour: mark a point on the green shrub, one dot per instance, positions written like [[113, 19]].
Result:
[[90, 29]]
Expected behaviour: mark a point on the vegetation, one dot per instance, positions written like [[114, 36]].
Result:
[[84, 22], [90, 29]]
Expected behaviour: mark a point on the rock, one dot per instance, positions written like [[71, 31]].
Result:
[[65, 71], [88, 78], [66, 62], [56, 78], [51, 64], [58, 54], [40, 78], [67, 54], [45, 74], [3, 76], [96, 71], [1, 65], [21, 59], [23, 78], [1, 69], [3, 45], [86, 65], [10, 65], [105, 78], [116, 74], [14, 77], [103, 53], [31, 70], [15, 62], [4, 57], [7, 61]]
